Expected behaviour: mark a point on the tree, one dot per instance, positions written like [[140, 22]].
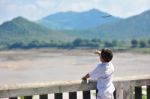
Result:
[[134, 43], [16, 45], [115, 43], [149, 41], [108, 44], [143, 43], [96, 40], [77, 42]]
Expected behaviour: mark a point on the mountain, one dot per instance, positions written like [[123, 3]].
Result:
[[21, 30], [25, 31], [133, 27], [77, 20]]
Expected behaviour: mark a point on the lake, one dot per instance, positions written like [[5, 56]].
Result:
[[44, 65]]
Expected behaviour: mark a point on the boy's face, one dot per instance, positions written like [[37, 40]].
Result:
[[101, 59]]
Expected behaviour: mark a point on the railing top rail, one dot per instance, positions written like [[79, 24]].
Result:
[[132, 78], [66, 86]]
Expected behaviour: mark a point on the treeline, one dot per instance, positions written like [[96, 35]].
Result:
[[143, 43], [92, 43]]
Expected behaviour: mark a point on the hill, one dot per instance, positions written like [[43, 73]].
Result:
[[21, 30], [130, 28], [77, 20], [135, 27]]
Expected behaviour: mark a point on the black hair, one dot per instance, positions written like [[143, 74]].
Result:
[[106, 55]]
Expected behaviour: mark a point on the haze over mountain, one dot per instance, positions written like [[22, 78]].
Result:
[[77, 20], [23, 30], [133, 27]]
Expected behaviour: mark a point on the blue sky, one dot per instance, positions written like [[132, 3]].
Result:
[[36, 9]]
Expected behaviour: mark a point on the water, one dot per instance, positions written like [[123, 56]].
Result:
[[43, 65]]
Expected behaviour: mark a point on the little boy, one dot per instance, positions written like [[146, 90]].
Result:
[[103, 74]]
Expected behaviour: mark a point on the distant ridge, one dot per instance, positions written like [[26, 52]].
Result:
[[22, 30], [131, 28], [77, 20]]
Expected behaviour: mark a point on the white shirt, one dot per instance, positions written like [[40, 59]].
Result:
[[103, 74]]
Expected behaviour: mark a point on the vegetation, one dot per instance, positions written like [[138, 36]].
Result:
[[82, 43], [22, 33]]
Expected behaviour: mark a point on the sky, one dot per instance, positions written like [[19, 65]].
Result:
[[37, 9]]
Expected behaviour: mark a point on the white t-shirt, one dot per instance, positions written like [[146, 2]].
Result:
[[103, 74]]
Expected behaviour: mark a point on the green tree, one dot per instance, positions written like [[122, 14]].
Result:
[[134, 43], [149, 41], [108, 44], [115, 43], [143, 44], [96, 40], [77, 42]]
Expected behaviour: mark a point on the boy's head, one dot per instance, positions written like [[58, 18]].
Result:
[[106, 55]]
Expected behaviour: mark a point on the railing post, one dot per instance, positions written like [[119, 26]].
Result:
[[58, 96], [148, 92], [114, 94], [27, 97], [127, 92], [119, 93], [138, 93], [124, 91], [43, 96], [13, 98], [72, 95], [86, 95]]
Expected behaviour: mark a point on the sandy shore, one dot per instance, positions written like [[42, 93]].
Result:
[[23, 66]]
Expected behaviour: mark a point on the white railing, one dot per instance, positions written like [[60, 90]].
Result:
[[126, 88]]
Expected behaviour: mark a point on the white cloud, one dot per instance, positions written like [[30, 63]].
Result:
[[29, 11], [43, 3], [124, 8], [12, 10], [36, 9], [2, 2]]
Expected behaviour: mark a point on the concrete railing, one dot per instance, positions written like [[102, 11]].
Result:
[[126, 88]]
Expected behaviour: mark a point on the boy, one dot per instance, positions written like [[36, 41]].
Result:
[[103, 74]]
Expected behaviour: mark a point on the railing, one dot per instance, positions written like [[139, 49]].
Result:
[[126, 88]]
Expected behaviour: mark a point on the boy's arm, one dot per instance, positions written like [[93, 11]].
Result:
[[85, 77], [88, 75]]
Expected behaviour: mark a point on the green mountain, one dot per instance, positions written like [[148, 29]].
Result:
[[131, 28], [21, 30], [135, 27], [77, 20]]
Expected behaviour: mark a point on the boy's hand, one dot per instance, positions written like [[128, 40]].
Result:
[[97, 52], [85, 77]]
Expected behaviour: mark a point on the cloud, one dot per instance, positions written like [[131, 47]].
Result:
[[36, 9], [9, 10], [73, 5], [123, 8], [43, 3]]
